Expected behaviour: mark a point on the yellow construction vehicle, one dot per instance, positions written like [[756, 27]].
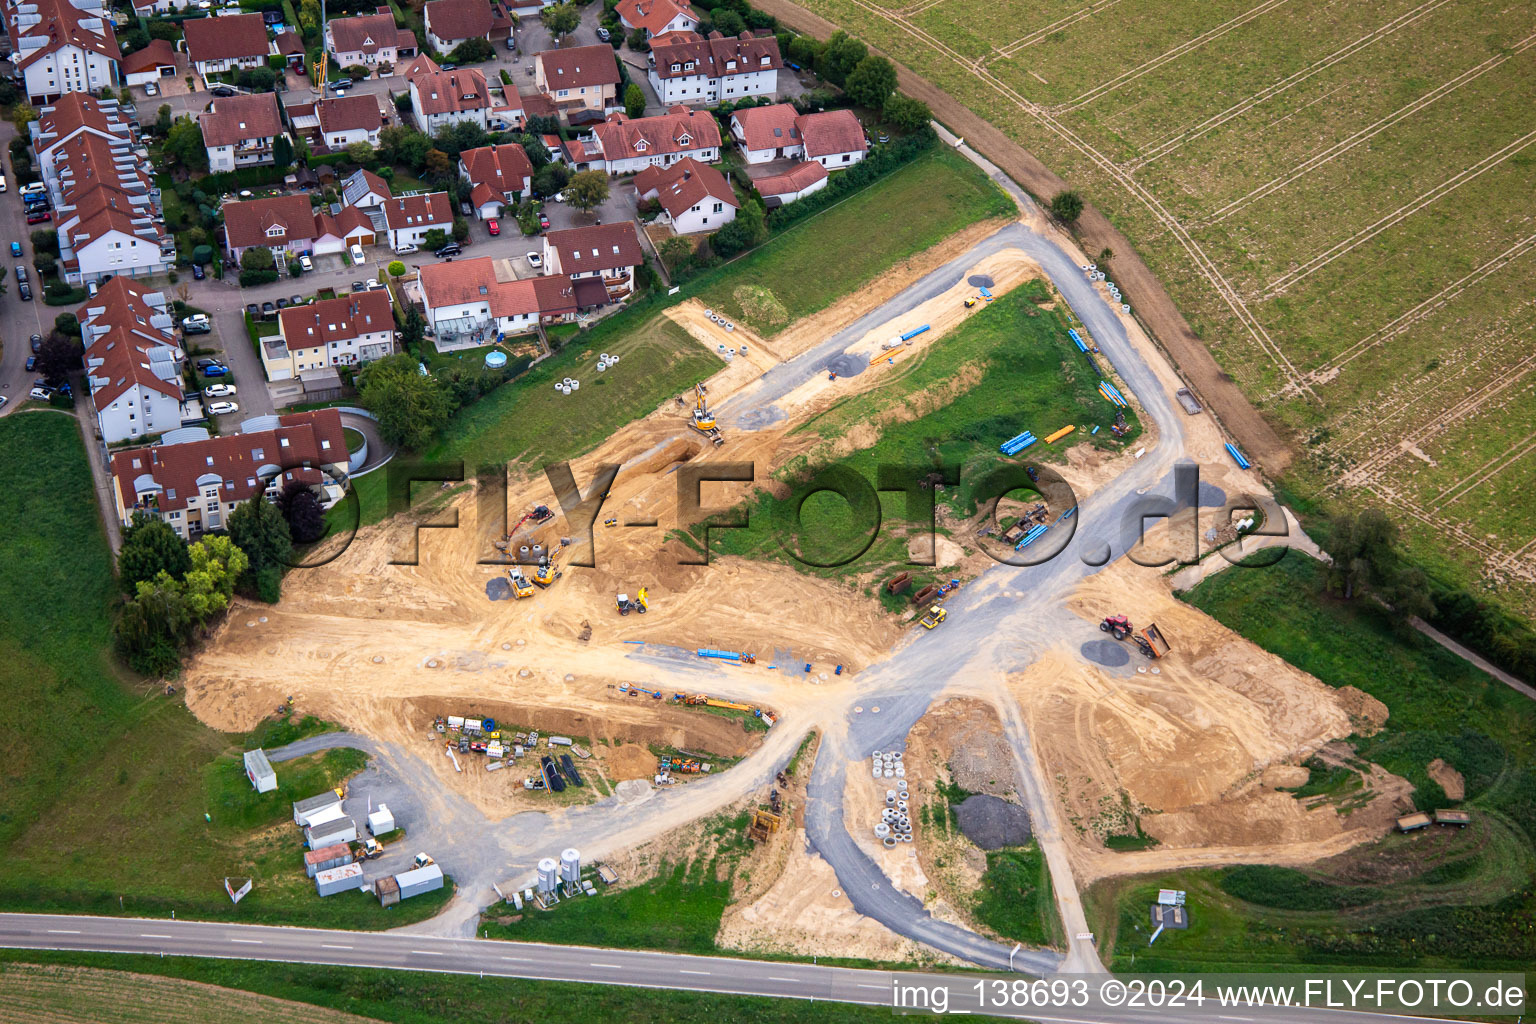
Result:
[[546, 574], [970, 303], [642, 601], [521, 588], [703, 420], [611, 521], [716, 702], [935, 616]]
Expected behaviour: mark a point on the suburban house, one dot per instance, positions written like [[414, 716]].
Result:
[[656, 16], [362, 189], [833, 139], [796, 183], [193, 481], [451, 22], [625, 145], [474, 302], [698, 71], [147, 7], [353, 329], [411, 217], [582, 78], [340, 231], [348, 119], [441, 98], [767, 133], [367, 40], [497, 175], [289, 47], [238, 131], [154, 62], [288, 225], [230, 43], [132, 361], [61, 47], [99, 181], [606, 252], [694, 197]]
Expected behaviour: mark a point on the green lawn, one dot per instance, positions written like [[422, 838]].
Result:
[[1016, 899], [818, 261], [1441, 898], [105, 780]]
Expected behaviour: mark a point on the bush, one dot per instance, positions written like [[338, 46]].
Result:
[[396, 268], [249, 278], [472, 51], [294, 270], [357, 72], [45, 241], [1067, 206]]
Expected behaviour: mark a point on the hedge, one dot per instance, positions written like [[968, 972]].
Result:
[[876, 165]]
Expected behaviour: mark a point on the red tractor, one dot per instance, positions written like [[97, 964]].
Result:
[[1118, 625]]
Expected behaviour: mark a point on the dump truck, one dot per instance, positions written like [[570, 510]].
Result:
[[703, 420], [1156, 643], [935, 615], [521, 588]]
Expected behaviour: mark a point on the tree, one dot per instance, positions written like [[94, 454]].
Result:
[[396, 268], [741, 234], [460, 229], [402, 104], [150, 547], [153, 626], [399, 144], [259, 530], [561, 19], [411, 408], [728, 23], [362, 154], [634, 100], [472, 51], [549, 179], [309, 14], [414, 331], [257, 266], [67, 324], [210, 583], [872, 82], [163, 120], [282, 150], [58, 358], [637, 41], [841, 55], [455, 138], [587, 189], [438, 164], [184, 144], [1365, 557], [674, 250], [300, 507], [23, 114], [906, 114], [538, 153], [1067, 206], [46, 241], [1106, 254], [804, 51], [435, 239]]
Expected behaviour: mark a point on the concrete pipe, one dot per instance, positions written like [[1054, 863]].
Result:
[[901, 786], [898, 755], [890, 794], [901, 806], [901, 773], [907, 838], [882, 830], [875, 754], [890, 843]]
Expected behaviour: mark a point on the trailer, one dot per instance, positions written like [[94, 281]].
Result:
[[381, 821], [339, 879], [419, 880], [327, 857], [335, 826], [259, 770], [310, 808], [1156, 641]]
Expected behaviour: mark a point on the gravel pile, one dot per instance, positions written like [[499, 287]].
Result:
[[992, 823]]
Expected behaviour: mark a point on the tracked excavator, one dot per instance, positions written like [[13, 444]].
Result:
[[703, 420]]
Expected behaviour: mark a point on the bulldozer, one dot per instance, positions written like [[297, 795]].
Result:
[[521, 588], [703, 420], [935, 615], [1117, 625]]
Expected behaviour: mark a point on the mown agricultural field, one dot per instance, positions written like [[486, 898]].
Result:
[[1338, 197]]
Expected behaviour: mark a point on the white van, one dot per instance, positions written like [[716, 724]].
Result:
[[2, 183], [358, 259]]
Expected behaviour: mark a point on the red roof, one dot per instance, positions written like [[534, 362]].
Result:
[[797, 179], [333, 852], [766, 127], [118, 324], [233, 461], [680, 130], [248, 223], [159, 53], [453, 20], [288, 43], [652, 15], [350, 113], [718, 56], [62, 24], [835, 131], [231, 119], [685, 184], [598, 247], [578, 67], [432, 209], [495, 171], [236, 35], [366, 33], [475, 280], [343, 319], [446, 92]]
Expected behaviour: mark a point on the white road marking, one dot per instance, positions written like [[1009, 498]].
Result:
[[325, 945], [519, 959], [682, 971], [772, 978], [63, 931], [882, 988], [147, 935], [426, 952], [249, 942], [615, 967], [1224, 1017]]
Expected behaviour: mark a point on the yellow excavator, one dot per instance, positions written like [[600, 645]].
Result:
[[704, 420], [545, 574]]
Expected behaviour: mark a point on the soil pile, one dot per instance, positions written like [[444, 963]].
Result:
[[992, 823]]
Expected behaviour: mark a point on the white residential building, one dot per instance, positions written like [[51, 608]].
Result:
[[353, 329], [622, 145], [695, 71], [239, 131], [61, 47], [469, 303], [694, 197], [132, 361], [410, 218], [440, 98]]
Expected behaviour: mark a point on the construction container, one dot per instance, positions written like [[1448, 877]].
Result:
[[307, 810], [607, 875], [327, 857], [381, 821], [339, 879], [338, 829], [387, 890], [414, 883], [259, 770]]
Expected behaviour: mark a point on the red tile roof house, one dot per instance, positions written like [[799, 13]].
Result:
[[411, 217], [697, 71], [132, 361], [331, 332], [656, 16], [440, 98], [152, 63], [580, 78], [363, 189], [767, 133], [288, 225], [216, 45], [61, 47], [368, 40], [695, 196], [238, 131], [193, 482], [348, 119], [834, 139], [451, 22], [610, 252], [497, 175], [473, 302], [71, 115], [628, 145], [796, 183]]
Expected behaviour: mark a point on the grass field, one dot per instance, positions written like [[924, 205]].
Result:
[[1430, 899], [1337, 197], [106, 781], [1007, 369], [819, 260]]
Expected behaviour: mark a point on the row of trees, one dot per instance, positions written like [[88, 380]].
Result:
[[412, 408]]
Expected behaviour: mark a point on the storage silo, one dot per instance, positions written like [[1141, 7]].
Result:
[[549, 876], [570, 866]]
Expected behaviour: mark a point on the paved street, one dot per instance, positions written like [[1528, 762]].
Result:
[[19, 319]]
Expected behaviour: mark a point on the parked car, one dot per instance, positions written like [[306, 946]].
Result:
[[253, 310], [222, 408], [21, 272], [207, 361], [535, 260], [405, 250], [358, 259], [31, 363], [26, 291], [197, 324], [341, 86], [198, 272], [16, 249], [357, 286], [268, 311], [450, 67], [218, 390], [493, 227], [39, 217], [451, 249], [282, 303], [215, 371], [34, 189], [602, 34], [41, 394], [37, 343], [306, 264], [559, 197], [296, 301], [3, 400], [150, 89], [221, 90], [543, 222]]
